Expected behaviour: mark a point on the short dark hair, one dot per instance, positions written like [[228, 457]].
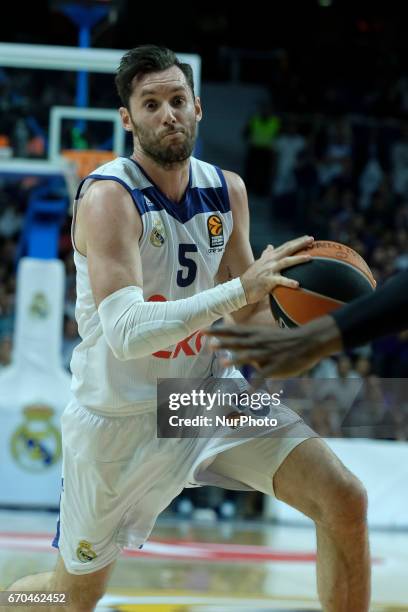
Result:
[[142, 60]]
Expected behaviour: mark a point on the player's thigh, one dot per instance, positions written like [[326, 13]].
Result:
[[313, 480], [255, 462], [80, 587]]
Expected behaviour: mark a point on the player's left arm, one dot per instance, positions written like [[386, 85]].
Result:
[[238, 254]]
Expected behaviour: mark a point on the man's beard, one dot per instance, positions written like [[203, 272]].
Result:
[[166, 154]]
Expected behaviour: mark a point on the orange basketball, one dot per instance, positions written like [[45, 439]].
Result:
[[335, 276]]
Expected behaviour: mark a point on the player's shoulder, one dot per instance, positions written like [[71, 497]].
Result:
[[108, 216], [233, 180], [108, 192], [123, 170], [108, 201], [236, 190]]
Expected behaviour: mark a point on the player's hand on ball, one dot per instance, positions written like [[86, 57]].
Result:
[[264, 274]]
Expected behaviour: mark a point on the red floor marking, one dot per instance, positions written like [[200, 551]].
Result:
[[174, 549]]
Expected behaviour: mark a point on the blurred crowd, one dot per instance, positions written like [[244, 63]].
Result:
[[26, 98], [343, 179]]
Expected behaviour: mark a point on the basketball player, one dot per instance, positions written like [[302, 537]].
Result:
[[281, 353], [153, 235]]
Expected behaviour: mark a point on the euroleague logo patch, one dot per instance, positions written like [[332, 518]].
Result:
[[215, 231]]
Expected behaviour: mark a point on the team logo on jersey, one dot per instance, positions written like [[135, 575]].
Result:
[[84, 552], [158, 234], [215, 231]]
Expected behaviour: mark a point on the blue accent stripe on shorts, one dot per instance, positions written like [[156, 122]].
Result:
[[55, 542]]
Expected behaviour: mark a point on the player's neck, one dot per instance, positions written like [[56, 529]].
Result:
[[172, 180]]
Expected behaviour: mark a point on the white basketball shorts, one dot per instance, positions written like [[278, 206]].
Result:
[[117, 477]]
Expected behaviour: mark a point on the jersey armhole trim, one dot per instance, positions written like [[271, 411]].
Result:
[[224, 188], [106, 177]]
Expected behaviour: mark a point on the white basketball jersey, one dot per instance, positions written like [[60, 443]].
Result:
[[181, 248]]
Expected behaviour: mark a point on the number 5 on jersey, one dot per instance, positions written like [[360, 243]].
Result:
[[187, 275]]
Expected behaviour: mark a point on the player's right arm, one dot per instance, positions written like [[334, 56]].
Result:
[[111, 228]]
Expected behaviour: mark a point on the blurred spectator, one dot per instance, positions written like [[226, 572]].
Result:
[[400, 421], [337, 158], [70, 300], [399, 160], [6, 313], [36, 147], [401, 217], [343, 387], [325, 417], [363, 366], [11, 219], [260, 134], [5, 351], [21, 137], [398, 95], [307, 186], [370, 178], [70, 340], [288, 145], [326, 368]]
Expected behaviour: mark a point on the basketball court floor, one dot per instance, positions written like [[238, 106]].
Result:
[[209, 566]]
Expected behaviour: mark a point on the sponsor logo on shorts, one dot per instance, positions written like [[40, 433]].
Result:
[[215, 231], [84, 552]]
